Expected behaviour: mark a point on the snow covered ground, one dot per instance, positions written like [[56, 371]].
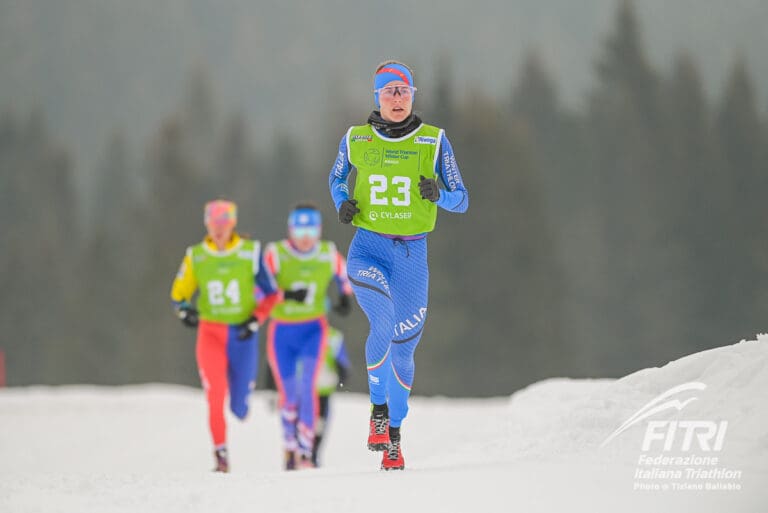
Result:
[[547, 448]]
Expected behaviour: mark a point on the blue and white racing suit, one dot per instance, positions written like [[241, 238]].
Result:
[[390, 278]]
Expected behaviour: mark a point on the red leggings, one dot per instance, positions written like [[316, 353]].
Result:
[[226, 365]]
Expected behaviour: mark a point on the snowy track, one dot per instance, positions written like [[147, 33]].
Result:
[[146, 449]]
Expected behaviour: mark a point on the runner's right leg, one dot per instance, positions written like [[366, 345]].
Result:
[[211, 355], [368, 270], [282, 356]]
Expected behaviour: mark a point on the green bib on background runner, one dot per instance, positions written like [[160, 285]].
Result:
[[313, 272], [226, 281]]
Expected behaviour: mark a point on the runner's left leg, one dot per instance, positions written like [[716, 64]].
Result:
[[410, 290], [243, 356]]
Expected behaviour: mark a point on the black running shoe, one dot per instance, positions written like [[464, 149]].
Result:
[[290, 460], [222, 460]]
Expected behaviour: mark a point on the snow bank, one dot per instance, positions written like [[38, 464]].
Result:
[[736, 380], [146, 448]]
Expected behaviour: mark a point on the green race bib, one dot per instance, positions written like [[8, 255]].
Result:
[[313, 272], [388, 175], [226, 281]]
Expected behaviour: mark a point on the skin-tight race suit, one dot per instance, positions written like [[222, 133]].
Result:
[[298, 333], [387, 260], [232, 285]]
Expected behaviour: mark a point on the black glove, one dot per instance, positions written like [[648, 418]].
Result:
[[247, 328], [344, 306], [429, 189], [347, 211], [188, 316], [298, 295]]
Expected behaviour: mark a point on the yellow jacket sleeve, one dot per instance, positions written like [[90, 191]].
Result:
[[185, 283]]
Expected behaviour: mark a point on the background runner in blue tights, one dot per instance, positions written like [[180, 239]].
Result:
[[405, 170]]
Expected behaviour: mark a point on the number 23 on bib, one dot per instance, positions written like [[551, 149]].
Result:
[[387, 182]]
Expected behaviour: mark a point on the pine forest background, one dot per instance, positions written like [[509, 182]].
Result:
[[607, 234]]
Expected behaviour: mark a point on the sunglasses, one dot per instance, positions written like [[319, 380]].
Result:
[[301, 232], [389, 92]]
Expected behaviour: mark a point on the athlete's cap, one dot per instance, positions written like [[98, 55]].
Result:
[[220, 213], [390, 71], [305, 217]]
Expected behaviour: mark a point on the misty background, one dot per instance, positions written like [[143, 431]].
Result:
[[616, 155]]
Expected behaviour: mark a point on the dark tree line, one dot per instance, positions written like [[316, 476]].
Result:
[[600, 239]]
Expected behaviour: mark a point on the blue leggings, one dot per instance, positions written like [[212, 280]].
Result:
[[391, 280], [290, 345]]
